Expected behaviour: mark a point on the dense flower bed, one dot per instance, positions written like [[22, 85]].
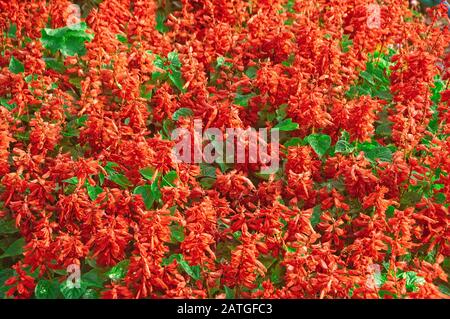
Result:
[[88, 180]]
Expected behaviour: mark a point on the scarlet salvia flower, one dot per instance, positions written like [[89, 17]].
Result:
[[357, 209], [244, 265], [22, 284], [109, 243]]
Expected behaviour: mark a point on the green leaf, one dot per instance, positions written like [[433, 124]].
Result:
[[412, 280], [350, 292], [277, 273], [437, 89], [69, 41], [379, 279], [177, 233], [156, 193], [176, 79], [346, 43], [373, 152], [220, 61], [281, 112], [101, 178], [410, 198], [59, 272], [91, 262], [169, 179], [290, 249], [109, 167], [430, 3], [146, 192], [7, 227], [270, 116], [120, 180], [122, 38], [160, 19], [344, 147], [72, 292], [262, 176], [51, 40], [22, 136], [374, 80], [170, 259], [159, 62], [444, 289], [15, 249], [147, 173], [70, 132], [54, 64], [237, 234], [5, 274], [119, 271], [315, 216], [390, 211], [168, 126], [368, 77], [207, 182], [47, 289], [15, 66], [384, 154], [93, 191], [81, 121], [73, 45], [320, 143], [91, 294], [242, 99], [188, 269], [287, 125], [145, 92], [193, 271], [72, 180], [290, 60], [182, 112], [30, 77], [79, 30], [12, 31], [229, 293], [207, 170], [4, 102], [4, 244], [383, 293], [251, 72], [383, 94], [384, 129], [172, 57], [224, 166], [440, 198]]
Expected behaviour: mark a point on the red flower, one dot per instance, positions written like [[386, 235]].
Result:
[[22, 285]]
